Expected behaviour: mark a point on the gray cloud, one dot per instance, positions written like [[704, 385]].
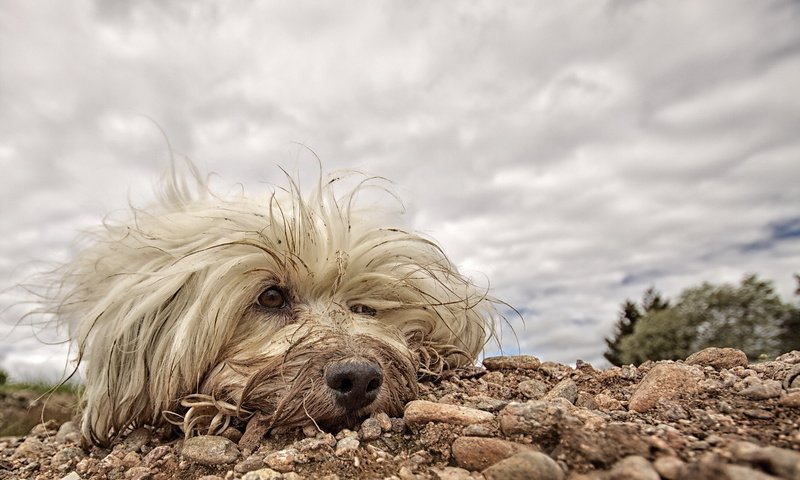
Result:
[[570, 155]]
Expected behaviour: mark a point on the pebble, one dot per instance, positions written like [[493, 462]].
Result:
[[564, 389], [719, 358], [262, 474], [758, 389], [790, 357], [670, 468], [738, 472], [525, 465], [533, 389], [71, 476], [478, 453], [347, 444], [384, 421], [68, 455], [253, 462], [370, 429], [607, 403], [452, 473], [792, 378], [633, 467], [66, 429], [420, 412], [137, 439], [210, 450], [791, 399], [666, 381], [156, 454], [283, 460], [31, 447], [524, 362]]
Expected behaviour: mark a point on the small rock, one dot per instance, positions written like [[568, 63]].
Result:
[[384, 421], [782, 461], [68, 455], [262, 474], [283, 460], [310, 431], [525, 465], [586, 400], [137, 439], [347, 444], [792, 378], [489, 404], [719, 358], [762, 389], [791, 399], [607, 403], [790, 357], [478, 453], [32, 447], [138, 473], [66, 429], [738, 472], [210, 450], [370, 429], [452, 473], [71, 476], [759, 413], [398, 425], [524, 362], [633, 467], [479, 430], [253, 462], [156, 454], [420, 412], [533, 389], [564, 389], [666, 380], [670, 468]]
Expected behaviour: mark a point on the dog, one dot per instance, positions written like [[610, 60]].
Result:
[[204, 312]]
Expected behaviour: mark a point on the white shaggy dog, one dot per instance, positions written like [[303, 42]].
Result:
[[201, 312]]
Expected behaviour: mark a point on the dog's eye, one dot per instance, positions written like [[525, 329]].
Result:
[[360, 309], [273, 297]]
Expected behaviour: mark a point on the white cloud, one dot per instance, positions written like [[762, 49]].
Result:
[[571, 153]]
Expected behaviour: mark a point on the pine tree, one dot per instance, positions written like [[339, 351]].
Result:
[[628, 316]]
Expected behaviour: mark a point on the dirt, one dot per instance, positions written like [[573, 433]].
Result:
[[715, 422]]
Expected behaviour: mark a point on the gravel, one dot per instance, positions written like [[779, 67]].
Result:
[[711, 417]]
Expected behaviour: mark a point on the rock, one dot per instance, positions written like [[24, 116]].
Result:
[[633, 467], [452, 473], [262, 474], [738, 472], [529, 417], [791, 400], [670, 468], [719, 358], [525, 465], [67, 456], [384, 421], [71, 476], [137, 439], [524, 362], [371, 429], [607, 403], [533, 389], [792, 378], [564, 389], [210, 450], [420, 412], [666, 380], [283, 460], [347, 444], [253, 462], [478, 453], [792, 357], [782, 461], [32, 447], [156, 454], [65, 429], [761, 389], [138, 473]]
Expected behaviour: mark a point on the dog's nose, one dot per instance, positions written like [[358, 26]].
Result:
[[354, 384]]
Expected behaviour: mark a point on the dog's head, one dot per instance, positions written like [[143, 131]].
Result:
[[301, 309]]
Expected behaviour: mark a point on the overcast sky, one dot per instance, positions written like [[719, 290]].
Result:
[[573, 153]]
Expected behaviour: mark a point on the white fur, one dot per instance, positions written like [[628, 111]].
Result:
[[161, 308]]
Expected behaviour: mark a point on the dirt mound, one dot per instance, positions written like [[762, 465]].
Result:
[[711, 417]]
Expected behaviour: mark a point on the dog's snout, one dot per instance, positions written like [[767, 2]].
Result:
[[354, 384]]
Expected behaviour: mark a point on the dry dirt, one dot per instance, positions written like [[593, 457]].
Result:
[[712, 416]]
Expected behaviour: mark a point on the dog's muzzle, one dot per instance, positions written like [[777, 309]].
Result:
[[354, 384]]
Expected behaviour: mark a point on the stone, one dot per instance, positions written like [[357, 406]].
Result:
[[792, 357], [718, 358], [670, 468], [210, 450], [533, 389], [68, 456], [71, 476], [137, 439], [738, 472], [761, 389], [523, 362], [371, 429], [262, 474], [156, 454], [792, 378], [32, 447], [384, 421], [66, 429], [633, 467], [791, 399], [478, 453], [607, 403], [564, 389], [667, 381], [420, 412], [452, 473], [523, 466], [253, 462], [138, 473], [347, 444], [283, 460]]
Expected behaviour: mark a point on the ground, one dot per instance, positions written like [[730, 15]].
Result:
[[712, 416]]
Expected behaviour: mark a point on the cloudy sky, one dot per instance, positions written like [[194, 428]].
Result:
[[572, 153]]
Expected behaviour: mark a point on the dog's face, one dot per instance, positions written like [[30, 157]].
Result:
[[303, 310]]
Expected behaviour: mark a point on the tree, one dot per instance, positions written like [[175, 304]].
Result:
[[628, 316], [750, 317]]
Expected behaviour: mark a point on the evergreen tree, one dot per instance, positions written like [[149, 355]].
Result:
[[628, 316]]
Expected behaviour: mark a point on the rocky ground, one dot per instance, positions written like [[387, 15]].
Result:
[[712, 416]]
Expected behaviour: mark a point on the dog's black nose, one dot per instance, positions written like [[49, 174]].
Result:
[[354, 384]]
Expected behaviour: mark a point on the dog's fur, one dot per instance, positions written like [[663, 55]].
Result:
[[166, 310]]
